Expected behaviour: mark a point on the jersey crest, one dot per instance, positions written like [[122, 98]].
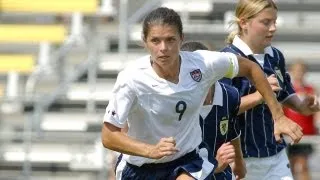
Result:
[[196, 75], [278, 72], [224, 125]]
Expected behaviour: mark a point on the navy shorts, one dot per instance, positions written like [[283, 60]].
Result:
[[193, 163], [226, 174]]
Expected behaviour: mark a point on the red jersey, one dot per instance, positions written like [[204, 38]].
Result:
[[306, 122]]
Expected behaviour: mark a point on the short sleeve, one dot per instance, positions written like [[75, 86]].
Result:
[[288, 89], [221, 64], [120, 104]]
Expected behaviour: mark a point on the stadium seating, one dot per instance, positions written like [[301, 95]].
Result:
[[12, 62], [66, 147], [49, 6], [22, 63], [21, 33], [45, 35]]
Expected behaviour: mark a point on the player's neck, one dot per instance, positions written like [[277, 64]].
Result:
[[168, 73], [255, 48]]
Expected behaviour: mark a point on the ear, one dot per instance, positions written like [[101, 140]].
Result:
[[243, 24], [182, 40], [145, 44]]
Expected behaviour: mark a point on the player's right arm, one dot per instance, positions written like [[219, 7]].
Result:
[[114, 139], [115, 118]]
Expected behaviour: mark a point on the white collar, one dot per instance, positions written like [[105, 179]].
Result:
[[245, 48], [218, 95]]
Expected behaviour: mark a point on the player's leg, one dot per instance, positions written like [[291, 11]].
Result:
[[299, 165], [298, 156]]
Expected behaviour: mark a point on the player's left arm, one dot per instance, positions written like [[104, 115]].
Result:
[[225, 155], [282, 125], [229, 66], [306, 106]]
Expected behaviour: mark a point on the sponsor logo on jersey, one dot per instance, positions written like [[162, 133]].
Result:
[[196, 75], [224, 125]]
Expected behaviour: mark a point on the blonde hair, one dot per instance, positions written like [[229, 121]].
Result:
[[247, 9]]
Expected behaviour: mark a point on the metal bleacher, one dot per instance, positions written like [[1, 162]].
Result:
[[297, 35], [59, 60], [37, 139]]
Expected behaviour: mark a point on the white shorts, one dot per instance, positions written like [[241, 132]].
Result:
[[270, 168]]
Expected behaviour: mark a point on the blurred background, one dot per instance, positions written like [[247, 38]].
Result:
[[59, 60]]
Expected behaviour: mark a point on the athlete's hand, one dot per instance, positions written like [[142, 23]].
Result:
[[239, 168], [284, 125], [225, 155], [311, 101], [274, 83], [165, 147]]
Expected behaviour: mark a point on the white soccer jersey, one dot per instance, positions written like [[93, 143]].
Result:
[[156, 108]]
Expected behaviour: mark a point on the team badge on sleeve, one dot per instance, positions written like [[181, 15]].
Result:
[[224, 125], [196, 75], [279, 75]]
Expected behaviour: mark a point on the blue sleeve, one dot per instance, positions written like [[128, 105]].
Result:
[[287, 88], [234, 104], [226, 81]]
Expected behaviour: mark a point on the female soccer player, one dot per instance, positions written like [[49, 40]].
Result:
[[160, 98], [265, 157]]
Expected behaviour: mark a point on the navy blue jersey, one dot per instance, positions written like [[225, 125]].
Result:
[[256, 124], [220, 125]]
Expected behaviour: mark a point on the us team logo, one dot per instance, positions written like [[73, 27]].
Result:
[[224, 125], [196, 75]]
